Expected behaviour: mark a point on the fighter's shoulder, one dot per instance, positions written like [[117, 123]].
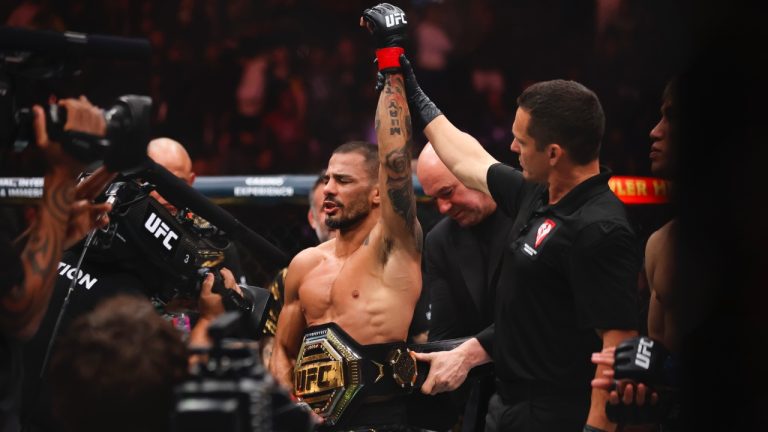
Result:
[[309, 258], [659, 238]]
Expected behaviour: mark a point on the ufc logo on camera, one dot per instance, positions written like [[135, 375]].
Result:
[[159, 229], [395, 19]]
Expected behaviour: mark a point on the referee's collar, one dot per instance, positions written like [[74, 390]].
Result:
[[581, 193]]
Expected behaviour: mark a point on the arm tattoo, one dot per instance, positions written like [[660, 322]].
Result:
[[395, 143], [40, 256], [399, 185], [45, 244], [394, 114]]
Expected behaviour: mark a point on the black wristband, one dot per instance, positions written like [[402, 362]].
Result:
[[588, 428], [421, 107]]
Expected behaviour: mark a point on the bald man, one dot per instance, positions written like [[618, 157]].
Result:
[[461, 254], [172, 156]]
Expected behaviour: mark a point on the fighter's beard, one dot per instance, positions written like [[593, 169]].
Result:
[[343, 223]]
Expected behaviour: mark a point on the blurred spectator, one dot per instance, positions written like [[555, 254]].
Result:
[[432, 43], [116, 367]]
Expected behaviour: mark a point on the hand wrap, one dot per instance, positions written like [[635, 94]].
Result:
[[388, 26]]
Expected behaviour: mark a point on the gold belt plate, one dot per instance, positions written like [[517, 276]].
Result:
[[328, 374]]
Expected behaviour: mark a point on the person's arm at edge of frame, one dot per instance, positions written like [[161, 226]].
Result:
[[23, 308], [290, 325], [597, 417], [464, 156]]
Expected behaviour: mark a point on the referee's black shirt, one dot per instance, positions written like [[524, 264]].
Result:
[[569, 268]]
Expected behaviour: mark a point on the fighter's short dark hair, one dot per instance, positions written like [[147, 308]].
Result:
[[566, 113], [369, 151]]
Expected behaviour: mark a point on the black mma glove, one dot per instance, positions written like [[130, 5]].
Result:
[[419, 104], [388, 26], [641, 359], [644, 360]]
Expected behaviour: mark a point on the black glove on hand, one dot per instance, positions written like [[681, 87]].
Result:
[[388, 26], [644, 360], [641, 359], [419, 104]]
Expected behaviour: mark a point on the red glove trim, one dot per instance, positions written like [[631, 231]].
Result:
[[389, 58]]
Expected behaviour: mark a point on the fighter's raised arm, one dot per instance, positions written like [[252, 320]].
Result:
[[387, 24], [393, 130]]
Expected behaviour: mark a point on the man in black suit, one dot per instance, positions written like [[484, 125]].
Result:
[[461, 256]]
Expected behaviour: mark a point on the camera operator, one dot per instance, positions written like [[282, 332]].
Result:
[[118, 269], [29, 265]]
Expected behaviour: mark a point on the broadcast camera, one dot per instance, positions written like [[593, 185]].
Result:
[[36, 64], [181, 249], [231, 392]]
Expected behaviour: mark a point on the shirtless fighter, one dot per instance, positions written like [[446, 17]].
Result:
[[340, 342]]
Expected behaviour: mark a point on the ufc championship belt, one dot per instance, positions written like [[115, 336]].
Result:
[[332, 371]]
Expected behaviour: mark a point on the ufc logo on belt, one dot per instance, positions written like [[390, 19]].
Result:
[[318, 377], [158, 228], [395, 19]]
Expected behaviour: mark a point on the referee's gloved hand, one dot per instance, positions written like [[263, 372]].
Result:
[[419, 104], [388, 26]]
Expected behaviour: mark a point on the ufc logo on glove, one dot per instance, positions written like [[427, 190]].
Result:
[[643, 357], [395, 19]]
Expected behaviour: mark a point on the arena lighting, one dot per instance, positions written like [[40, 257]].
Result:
[[640, 190]]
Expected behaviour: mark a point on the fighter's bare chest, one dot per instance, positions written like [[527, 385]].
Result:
[[333, 281]]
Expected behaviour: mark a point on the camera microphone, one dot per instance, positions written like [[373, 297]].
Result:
[[63, 44]]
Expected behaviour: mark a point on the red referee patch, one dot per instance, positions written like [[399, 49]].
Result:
[[544, 229]]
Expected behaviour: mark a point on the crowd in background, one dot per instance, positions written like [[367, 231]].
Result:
[[272, 86]]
